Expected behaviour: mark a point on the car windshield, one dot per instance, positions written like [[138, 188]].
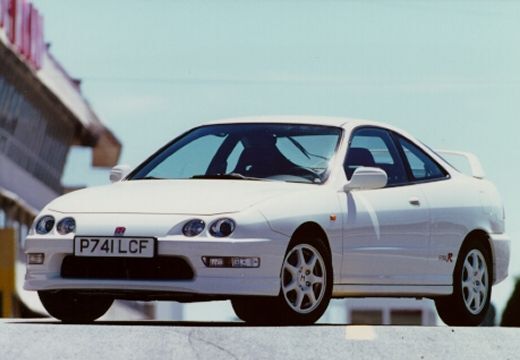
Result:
[[284, 152]]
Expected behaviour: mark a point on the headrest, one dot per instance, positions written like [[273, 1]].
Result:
[[360, 157]]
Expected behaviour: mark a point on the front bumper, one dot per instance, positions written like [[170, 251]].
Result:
[[261, 281]]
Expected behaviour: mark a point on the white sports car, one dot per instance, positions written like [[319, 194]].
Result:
[[279, 215]]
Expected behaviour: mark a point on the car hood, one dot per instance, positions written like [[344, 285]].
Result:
[[197, 197]]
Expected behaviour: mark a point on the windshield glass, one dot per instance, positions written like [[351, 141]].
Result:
[[285, 152]]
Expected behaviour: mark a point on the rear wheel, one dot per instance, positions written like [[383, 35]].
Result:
[[472, 281], [71, 307], [306, 288]]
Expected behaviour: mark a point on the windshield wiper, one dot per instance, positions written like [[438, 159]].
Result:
[[228, 176], [303, 150]]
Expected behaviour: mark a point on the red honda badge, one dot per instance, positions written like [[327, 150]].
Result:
[[120, 230]]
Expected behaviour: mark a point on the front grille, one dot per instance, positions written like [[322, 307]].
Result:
[[157, 268]]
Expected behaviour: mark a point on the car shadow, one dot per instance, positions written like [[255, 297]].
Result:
[[158, 323]]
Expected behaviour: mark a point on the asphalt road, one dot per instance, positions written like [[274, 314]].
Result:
[[45, 339]]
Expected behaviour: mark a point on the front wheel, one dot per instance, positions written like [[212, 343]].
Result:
[[305, 291], [472, 281], [71, 307]]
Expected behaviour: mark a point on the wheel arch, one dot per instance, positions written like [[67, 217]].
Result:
[[312, 228]]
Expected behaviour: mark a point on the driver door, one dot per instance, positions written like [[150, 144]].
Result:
[[385, 231]]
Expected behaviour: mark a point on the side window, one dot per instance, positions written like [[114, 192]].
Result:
[[373, 147], [421, 165]]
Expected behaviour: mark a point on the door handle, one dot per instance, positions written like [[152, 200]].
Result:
[[415, 201]]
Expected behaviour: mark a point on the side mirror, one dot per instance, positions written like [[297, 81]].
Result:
[[119, 172], [367, 178]]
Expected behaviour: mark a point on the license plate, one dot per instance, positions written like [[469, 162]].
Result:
[[114, 246]]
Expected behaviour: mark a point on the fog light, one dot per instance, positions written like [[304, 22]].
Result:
[[35, 258], [231, 262]]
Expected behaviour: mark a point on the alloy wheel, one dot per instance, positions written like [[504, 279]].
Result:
[[475, 281], [304, 278]]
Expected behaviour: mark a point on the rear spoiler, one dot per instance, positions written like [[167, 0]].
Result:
[[477, 171]]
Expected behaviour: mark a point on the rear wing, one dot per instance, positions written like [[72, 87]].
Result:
[[477, 171]]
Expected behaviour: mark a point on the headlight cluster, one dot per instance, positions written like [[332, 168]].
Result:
[[45, 224], [219, 228], [66, 226], [193, 227], [222, 228]]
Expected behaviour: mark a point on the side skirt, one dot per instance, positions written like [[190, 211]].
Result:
[[355, 290]]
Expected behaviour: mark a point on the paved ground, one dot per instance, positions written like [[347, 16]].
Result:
[[45, 339]]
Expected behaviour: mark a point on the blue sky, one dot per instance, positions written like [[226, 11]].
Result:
[[446, 71]]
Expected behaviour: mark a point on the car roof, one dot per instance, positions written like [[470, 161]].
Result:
[[342, 122], [287, 119]]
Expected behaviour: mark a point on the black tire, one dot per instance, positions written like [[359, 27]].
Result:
[[71, 307], [310, 273], [469, 303], [256, 310]]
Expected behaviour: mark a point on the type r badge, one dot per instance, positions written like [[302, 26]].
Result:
[[446, 258]]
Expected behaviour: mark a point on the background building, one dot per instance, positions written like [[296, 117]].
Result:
[[42, 115]]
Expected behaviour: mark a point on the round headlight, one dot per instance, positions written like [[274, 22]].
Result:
[[193, 227], [44, 225], [66, 226], [222, 227]]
